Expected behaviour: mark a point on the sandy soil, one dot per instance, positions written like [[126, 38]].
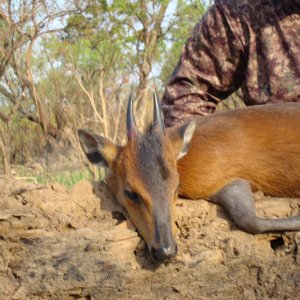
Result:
[[56, 244]]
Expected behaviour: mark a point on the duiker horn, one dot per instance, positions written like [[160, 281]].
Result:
[[157, 118], [130, 121]]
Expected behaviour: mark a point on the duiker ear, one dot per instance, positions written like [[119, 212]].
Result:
[[181, 137], [99, 150]]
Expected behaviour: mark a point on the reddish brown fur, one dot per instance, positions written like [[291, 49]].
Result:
[[126, 173], [260, 144]]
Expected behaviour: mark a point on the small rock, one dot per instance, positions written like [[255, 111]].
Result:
[[141, 245], [123, 231], [259, 195], [4, 216], [82, 187], [59, 188], [20, 293]]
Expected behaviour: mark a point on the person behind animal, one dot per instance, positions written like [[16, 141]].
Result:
[[253, 45]]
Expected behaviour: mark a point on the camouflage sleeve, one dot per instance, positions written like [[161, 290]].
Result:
[[211, 67]]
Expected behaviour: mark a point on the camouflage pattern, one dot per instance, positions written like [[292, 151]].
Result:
[[248, 44]]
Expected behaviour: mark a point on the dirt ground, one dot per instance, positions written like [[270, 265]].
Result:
[[59, 244]]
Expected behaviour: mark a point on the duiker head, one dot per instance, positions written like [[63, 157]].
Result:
[[145, 176]]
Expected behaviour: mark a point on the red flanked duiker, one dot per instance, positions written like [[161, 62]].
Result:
[[221, 158], [143, 176]]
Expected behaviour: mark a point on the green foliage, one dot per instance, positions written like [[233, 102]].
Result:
[[27, 141], [116, 31], [112, 36], [102, 54], [187, 14], [67, 179]]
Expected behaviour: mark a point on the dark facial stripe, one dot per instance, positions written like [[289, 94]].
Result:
[[152, 166], [163, 236], [155, 174], [164, 171]]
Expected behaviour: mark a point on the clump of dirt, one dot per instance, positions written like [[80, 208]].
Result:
[[59, 244]]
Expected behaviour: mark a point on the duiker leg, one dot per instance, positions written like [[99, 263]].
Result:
[[237, 199]]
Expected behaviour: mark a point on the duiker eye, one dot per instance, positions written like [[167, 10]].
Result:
[[133, 196]]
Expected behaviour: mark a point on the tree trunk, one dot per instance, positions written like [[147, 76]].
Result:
[[151, 39], [5, 157]]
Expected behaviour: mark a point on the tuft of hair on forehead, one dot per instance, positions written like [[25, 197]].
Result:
[[150, 155]]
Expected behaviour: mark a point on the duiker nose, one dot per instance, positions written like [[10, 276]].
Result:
[[162, 254]]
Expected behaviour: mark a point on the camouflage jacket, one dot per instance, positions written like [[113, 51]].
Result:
[[249, 44]]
